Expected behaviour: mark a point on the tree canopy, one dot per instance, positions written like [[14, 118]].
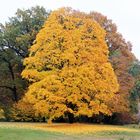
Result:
[[68, 68]]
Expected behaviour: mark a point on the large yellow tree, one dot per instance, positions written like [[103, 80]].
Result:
[[68, 68]]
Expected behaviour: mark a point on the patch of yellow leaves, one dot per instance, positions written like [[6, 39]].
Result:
[[69, 128]]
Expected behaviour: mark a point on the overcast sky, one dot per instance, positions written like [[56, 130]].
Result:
[[125, 13]]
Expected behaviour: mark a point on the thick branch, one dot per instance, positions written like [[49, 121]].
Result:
[[7, 87]]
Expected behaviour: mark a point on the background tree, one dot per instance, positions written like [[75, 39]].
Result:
[[68, 68], [135, 92], [16, 36]]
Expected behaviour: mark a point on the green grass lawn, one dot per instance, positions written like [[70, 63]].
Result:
[[26, 134], [32, 131]]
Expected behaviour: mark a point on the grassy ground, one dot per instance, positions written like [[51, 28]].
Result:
[[40, 131]]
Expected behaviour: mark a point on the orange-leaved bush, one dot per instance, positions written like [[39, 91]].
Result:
[[68, 68]]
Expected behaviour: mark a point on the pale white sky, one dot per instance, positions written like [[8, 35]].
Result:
[[125, 13]]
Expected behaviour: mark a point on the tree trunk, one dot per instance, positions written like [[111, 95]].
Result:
[[44, 119], [14, 85], [71, 117], [15, 93]]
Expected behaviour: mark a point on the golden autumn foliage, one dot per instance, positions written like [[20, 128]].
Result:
[[68, 68], [23, 111], [121, 59]]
